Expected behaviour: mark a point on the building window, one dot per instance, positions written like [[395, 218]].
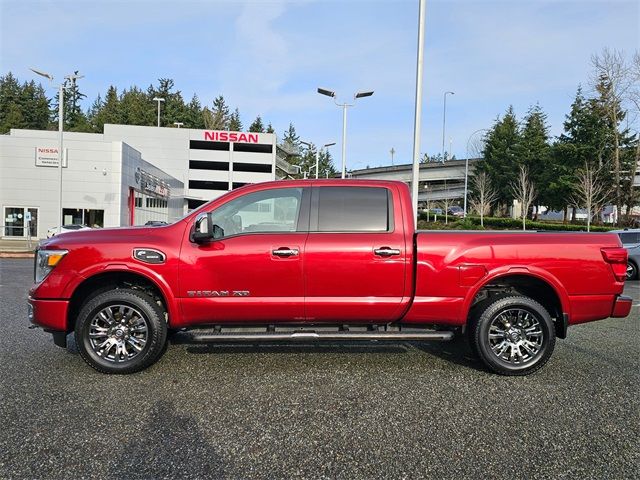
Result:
[[207, 145], [252, 167], [206, 165], [78, 216], [20, 221], [208, 185], [253, 147]]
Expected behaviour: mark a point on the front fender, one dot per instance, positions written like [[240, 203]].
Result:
[[138, 269]]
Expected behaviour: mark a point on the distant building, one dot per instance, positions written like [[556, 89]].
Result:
[[126, 176]]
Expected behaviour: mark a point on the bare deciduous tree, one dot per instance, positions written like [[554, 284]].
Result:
[[612, 81], [590, 191], [634, 97], [524, 192], [485, 195]]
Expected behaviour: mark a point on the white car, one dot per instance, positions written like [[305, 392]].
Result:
[[66, 228]]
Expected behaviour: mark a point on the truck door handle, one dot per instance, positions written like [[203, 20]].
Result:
[[285, 252], [386, 251]]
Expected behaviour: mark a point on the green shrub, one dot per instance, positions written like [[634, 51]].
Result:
[[500, 223]]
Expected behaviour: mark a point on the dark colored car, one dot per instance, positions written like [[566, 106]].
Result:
[[630, 239]]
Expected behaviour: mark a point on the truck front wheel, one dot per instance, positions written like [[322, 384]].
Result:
[[513, 335], [121, 331]]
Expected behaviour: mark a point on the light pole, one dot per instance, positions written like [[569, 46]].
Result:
[[61, 87], [444, 122], [159, 100], [466, 169], [418, 110], [309, 145], [444, 156], [178, 124], [332, 94], [392, 152]]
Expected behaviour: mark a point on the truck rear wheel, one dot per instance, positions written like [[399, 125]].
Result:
[[513, 335], [121, 331]]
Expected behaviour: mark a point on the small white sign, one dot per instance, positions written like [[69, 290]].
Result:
[[27, 216], [48, 157]]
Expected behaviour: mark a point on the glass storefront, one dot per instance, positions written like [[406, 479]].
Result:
[[20, 222], [149, 208], [79, 216]]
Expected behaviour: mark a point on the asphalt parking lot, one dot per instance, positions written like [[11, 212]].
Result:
[[329, 411]]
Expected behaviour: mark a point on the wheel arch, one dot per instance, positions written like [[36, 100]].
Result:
[[112, 279], [544, 289]]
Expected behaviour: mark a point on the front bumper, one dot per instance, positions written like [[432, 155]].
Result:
[[48, 314], [622, 306]]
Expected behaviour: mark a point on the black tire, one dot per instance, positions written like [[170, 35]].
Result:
[[492, 314], [147, 314], [632, 270]]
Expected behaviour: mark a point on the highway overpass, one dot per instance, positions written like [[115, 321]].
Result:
[[438, 181]]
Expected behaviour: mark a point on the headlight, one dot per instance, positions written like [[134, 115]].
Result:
[[46, 260]]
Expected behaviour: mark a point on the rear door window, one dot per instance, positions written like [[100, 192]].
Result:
[[352, 209], [629, 238]]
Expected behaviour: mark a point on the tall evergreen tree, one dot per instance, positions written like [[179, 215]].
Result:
[[35, 106], [582, 143], [257, 126], [195, 118], [137, 109], [290, 137], [235, 125], [22, 106], [106, 111], [500, 155], [534, 149]]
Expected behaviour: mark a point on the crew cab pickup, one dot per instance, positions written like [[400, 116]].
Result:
[[317, 260]]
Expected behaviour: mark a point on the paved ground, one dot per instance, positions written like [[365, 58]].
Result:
[[336, 411]]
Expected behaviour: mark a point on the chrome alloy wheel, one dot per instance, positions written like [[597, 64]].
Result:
[[515, 336], [118, 333]]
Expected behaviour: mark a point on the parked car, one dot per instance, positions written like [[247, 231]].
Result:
[[456, 211], [66, 229], [630, 239], [156, 223], [318, 260]]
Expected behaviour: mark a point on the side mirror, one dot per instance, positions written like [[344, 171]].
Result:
[[205, 230]]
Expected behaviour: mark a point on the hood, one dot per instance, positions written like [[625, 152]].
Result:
[[97, 236]]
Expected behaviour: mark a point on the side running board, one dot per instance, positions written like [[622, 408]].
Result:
[[311, 336]]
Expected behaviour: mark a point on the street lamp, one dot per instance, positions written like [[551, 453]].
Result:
[[178, 124], [332, 94], [61, 87], [309, 145], [417, 119], [444, 120], [158, 99]]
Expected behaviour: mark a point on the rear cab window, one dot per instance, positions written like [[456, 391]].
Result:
[[351, 209]]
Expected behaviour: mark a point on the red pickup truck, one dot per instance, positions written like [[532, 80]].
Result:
[[321, 260]]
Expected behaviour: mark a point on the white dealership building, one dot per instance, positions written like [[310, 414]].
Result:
[[126, 176]]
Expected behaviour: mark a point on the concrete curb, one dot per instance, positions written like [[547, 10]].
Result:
[[16, 254]]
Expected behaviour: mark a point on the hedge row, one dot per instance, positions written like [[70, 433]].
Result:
[[497, 223]]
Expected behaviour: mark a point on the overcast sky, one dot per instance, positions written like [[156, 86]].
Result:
[[268, 58]]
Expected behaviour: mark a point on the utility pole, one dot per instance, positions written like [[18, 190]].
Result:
[[392, 152]]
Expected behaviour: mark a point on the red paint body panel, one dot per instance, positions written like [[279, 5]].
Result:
[[622, 307], [336, 277], [50, 314]]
